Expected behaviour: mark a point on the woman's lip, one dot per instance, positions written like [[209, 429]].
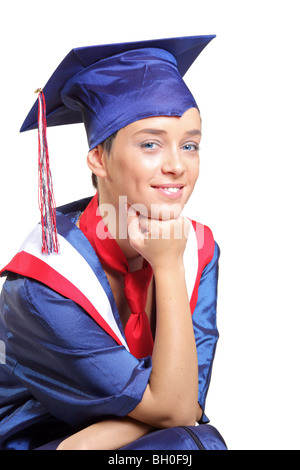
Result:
[[165, 190], [168, 185]]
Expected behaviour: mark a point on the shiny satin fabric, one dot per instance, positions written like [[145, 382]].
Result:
[[110, 86], [125, 88], [203, 437], [62, 371]]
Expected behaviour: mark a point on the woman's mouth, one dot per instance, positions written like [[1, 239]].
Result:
[[172, 191]]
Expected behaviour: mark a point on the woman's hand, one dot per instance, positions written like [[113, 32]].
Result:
[[160, 242]]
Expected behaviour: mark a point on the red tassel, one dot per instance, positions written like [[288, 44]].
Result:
[[46, 197]]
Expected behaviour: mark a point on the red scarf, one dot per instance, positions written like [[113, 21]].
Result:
[[137, 330]]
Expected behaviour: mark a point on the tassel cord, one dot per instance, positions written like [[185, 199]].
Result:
[[46, 196]]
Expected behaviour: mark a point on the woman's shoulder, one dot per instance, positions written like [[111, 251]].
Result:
[[49, 314]]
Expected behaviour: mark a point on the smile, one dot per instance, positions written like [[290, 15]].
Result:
[[171, 191]]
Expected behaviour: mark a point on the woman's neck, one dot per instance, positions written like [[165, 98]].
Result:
[[116, 222]]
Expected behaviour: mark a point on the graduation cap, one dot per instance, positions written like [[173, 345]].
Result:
[[108, 87]]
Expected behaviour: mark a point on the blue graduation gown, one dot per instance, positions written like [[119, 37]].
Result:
[[64, 366]]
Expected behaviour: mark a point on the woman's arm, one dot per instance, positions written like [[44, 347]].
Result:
[[171, 397], [106, 435]]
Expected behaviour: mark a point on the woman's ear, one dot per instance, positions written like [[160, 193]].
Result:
[[96, 161]]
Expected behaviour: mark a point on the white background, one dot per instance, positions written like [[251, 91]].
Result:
[[247, 85]]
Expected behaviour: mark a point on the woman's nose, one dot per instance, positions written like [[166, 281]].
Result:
[[173, 163]]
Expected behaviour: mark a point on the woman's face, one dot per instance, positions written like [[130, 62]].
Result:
[[154, 162]]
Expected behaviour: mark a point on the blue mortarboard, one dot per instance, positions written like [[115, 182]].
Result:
[[110, 86]]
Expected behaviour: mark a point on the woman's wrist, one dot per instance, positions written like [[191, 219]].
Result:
[[168, 267]]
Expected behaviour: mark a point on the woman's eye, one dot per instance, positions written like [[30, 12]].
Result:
[[149, 145], [191, 147]]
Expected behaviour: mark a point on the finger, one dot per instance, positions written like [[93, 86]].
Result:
[[145, 224], [133, 225], [180, 228]]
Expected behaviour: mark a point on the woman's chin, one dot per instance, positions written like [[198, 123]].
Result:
[[165, 211]]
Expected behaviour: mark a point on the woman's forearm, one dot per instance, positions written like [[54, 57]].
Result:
[[106, 435], [171, 396]]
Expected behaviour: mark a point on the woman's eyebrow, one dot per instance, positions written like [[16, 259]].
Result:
[[194, 132], [161, 131], [151, 131]]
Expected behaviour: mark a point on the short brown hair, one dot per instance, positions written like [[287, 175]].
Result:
[[106, 144]]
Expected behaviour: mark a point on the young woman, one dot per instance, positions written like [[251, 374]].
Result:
[[110, 341]]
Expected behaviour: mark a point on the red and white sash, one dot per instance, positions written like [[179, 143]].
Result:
[[69, 274]]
